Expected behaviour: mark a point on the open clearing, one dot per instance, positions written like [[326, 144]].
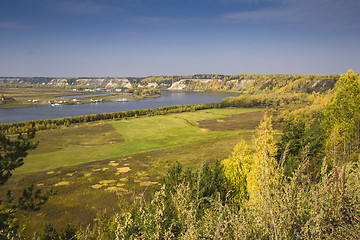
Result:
[[103, 166], [240, 121], [247, 120], [108, 139], [84, 191]]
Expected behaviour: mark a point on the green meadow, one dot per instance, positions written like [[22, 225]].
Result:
[[119, 162], [108, 139]]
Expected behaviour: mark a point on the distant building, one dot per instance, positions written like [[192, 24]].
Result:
[[4, 99], [100, 89]]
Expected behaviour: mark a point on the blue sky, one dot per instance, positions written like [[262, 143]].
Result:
[[70, 38]]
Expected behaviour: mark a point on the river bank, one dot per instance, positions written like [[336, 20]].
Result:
[[31, 97], [168, 98]]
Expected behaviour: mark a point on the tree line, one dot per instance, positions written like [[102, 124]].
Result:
[[247, 101]]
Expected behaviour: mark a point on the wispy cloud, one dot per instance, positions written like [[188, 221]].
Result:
[[84, 7], [266, 14], [13, 25], [169, 20], [331, 14]]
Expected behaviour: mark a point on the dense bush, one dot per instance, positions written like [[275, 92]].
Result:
[[292, 208], [264, 100]]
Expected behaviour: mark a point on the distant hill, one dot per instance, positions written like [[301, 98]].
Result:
[[75, 82], [248, 83]]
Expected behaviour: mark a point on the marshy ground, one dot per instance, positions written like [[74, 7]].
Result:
[[103, 166]]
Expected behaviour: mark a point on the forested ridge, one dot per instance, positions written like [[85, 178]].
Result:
[[247, 83], [306, 185]]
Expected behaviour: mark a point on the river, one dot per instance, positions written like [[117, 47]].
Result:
[[169, 98]]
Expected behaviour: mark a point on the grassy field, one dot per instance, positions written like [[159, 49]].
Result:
[[108, 139], [102, 166]]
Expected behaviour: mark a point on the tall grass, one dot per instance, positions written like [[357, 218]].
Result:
[[292, 208]]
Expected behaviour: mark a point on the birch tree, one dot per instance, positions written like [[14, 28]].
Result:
[[343, 116]]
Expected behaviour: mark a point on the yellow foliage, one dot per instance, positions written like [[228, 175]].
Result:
[[237, 167], [252, 173], [263, 170]]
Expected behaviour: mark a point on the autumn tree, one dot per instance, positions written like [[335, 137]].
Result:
[[263, 169], [343, 118], [249, 173], [237, 168]]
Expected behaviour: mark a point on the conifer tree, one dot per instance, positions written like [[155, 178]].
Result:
[[12, 153]]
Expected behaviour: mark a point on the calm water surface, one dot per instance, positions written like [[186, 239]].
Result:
[[169, 98]]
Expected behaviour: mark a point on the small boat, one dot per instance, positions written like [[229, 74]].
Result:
[[122, 100]]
